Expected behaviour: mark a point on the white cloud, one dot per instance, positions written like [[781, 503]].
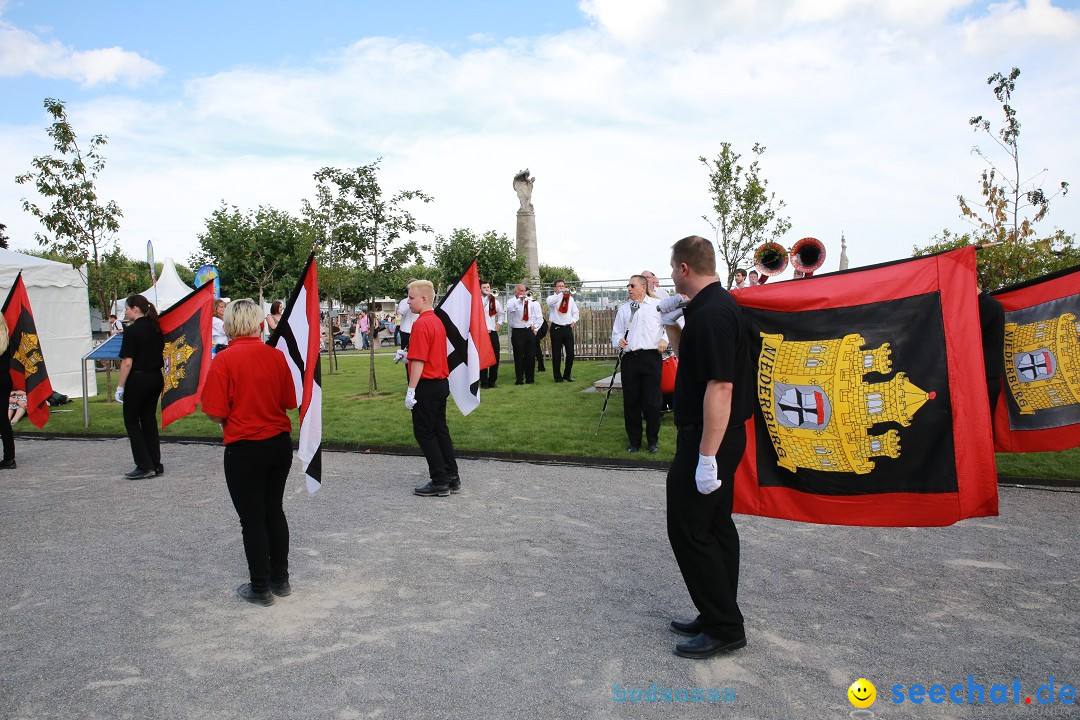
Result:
[[24, 53], [865, 124], [1012, 24]]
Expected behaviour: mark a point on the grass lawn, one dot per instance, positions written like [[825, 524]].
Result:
[[543, 419]]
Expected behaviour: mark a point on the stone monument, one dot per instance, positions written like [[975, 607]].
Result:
[[526, 226]]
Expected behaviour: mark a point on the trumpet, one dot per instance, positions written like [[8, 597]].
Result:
[[569, 291], [494, 292]]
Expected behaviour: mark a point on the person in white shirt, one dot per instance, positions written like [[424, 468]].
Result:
[[562, 316], [740, 278], [495, 316], [637, 333], [753, 279], [654, 285], [408, 317], [218, 336], [524, 316], [115, 326]]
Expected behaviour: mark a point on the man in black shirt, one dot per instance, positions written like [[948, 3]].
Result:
[[713, 400]]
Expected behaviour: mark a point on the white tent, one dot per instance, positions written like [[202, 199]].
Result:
[[61, 306], [166, 292]]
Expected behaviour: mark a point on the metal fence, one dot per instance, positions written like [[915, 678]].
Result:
[[597, 302]]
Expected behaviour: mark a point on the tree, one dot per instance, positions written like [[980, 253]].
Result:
[[3, 236], [550, 273], [363, 237], [82, 228], [257, 253], [1019, 254], [747, 214], [496, 257]]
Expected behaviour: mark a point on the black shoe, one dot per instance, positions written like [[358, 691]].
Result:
[[702, 646], [541, 368], [138, 474], [281, 589], [433, 489], [633, 448], [653, 448], [568, 379], [159, 470], [687, 627], [454, 484], [492, 386], [529, 382], [558, 379], [264, 598], [8, 464], [519, 382]]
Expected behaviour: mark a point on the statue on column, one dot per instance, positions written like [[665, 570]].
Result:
[[523, 186]]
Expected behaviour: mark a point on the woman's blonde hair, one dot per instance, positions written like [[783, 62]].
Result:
[[242, 318], [4, 338]]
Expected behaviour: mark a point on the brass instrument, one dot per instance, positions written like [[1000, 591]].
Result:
[[807, 255], [771, 258]]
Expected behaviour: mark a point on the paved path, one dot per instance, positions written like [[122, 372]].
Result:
[[533, 594]]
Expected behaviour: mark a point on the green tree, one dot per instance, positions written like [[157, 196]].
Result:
[[550, 273], [258, 253], [1011, 208], [81, 227], [364, 238], [3, 236], [496, 258], [746, 213]]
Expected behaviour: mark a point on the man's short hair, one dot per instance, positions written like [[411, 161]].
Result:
[[697, 253], [740, 271], [642, 279], [242, 318], [424, 287], [560, 280]]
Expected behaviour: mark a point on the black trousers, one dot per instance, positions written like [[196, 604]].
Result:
[[562, 338], [489, 376], [702, 534], [141, 394], [255, 472], [430, 430], [523, 343], [641, 394], [540, 335], [5, 423], [404, 339]]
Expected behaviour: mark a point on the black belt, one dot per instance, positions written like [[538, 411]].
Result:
[[559, 326], [640, 352]]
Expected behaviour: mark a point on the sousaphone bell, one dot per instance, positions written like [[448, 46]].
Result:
[[807, 255]]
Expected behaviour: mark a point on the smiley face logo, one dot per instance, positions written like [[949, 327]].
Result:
[[862, 693]]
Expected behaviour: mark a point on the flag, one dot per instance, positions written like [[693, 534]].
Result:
[[870, 397], [468, 345], [28, 371], [1039, 408], [186, 328], [297, 337]]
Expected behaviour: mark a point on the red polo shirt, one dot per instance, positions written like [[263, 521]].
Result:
[[249, 385], [428, 343]]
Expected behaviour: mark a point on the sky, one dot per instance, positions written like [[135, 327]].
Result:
[[863, 107]]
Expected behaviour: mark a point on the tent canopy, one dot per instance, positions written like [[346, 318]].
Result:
[[61, 306], [166, 292]]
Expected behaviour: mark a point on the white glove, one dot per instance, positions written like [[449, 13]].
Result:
[[705, 475], [671, 303], [119, 396], [671, 318], [400, 355], [410, 399]]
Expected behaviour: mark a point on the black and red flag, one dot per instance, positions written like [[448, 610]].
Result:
[[186, 327], [871, 397], [28, 371], [468, 345], [297, 336], [1039, 406]]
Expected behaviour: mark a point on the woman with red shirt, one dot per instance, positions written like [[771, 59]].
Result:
[[248, 391]]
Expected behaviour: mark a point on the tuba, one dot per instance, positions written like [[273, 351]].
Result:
[[770, 259], [807, 255]]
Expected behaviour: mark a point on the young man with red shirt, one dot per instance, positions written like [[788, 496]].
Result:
[[427, 393]]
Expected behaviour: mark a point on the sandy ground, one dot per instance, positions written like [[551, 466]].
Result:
[[541, 591]]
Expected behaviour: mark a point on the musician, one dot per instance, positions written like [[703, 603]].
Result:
[[524, 316], [654, 285], [713, 399], [637, 333], [563, 316], [753, 279], [495, 316], [408, 317]]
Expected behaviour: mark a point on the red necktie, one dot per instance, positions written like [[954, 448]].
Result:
[[565, 304], [491, 306], [525, 315]]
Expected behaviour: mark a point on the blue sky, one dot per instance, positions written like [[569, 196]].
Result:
[[863, 107]]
